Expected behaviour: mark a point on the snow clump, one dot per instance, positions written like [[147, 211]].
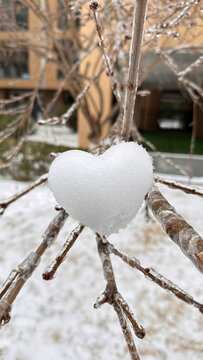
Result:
[[104, 191]]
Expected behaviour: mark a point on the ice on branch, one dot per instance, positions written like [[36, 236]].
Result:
[[183, 234]]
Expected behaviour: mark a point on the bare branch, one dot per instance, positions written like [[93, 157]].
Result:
[[93, 4], [113, 297], [140, 11], [183, 234], [126, 332], [52, 268], [138, 329], [177, 186], [158, 279], [14, 284], [5, 203], [65, 117]]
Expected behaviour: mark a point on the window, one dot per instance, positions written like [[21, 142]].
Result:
[[14, 16], [14, 64], [175, 111]]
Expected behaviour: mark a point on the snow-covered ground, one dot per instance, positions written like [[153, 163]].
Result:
[[56, 319], [58, 135]]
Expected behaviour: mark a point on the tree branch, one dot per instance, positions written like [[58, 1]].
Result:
[[158, 279], [113, 297], [183, 234], [52, 268], [12, 286], [140, 11], [5, 203], [177, 186]]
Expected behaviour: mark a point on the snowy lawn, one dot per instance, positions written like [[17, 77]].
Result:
[[56, 319]]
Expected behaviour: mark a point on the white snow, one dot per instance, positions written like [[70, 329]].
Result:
[[56, 319], [57, 135], [103, 192]]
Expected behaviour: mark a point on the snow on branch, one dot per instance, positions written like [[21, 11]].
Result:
[[66, 116], [114, 298], [140, 11], [177, 186], [158, 279], [51, 269], [5, 203], [183, 234], [13, 284], [93, 4]]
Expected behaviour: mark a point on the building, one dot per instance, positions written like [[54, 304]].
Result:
[[34, 64]]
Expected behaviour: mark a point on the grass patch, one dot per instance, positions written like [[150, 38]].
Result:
[[173, 141], [32, 161]]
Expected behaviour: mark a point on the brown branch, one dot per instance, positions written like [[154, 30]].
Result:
[[113, 297], [193, 137], [158, 279], [5, 203], [66, 116], [93, 4], [177, 186], [183, 234], [140, 10], [126, 332], [138, 329], [52, 268], [27, 267]]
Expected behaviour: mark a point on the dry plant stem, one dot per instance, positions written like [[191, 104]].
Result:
[[109, 70], [12, 276], [173, 185], [112, 296], [5, 203], [51, 269], [193, 89], [127, 333], [138, 329], [158, 279], [193, 137], [27, 267], [183, 234], [134, 62]]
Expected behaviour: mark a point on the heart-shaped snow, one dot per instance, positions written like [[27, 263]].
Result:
[[104, 191]]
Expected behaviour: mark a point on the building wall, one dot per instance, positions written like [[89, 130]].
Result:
[[146, 110]]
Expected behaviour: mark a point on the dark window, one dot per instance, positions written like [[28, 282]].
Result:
[[14, 16], [14, 64], [175, 111]]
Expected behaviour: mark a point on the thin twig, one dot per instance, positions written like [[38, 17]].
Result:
[[50, 271], [158, 279], [113, 297], [193, 137], [93, 4], [5, 203], [140, 11], [177, 186], [138, 329], [27, 267], [66, 116]]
